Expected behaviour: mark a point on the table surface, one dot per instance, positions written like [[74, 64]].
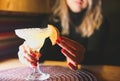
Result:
[[102, 72]]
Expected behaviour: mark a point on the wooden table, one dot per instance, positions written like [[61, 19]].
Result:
[[102, 72], [105, 72]]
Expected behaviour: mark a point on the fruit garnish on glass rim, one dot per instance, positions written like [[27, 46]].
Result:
[[54, 34]]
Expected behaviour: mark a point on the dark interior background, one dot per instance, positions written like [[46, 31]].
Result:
[[111, 10], [12, 20]]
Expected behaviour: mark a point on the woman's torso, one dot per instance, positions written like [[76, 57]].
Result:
[[94, 45]]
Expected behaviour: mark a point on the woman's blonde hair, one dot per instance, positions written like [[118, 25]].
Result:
[[91, 21]]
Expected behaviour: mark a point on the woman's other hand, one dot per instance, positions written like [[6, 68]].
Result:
[[27, 56], [73, 51]]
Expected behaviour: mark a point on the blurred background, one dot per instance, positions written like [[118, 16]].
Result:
[[32, 13], [112, 12]]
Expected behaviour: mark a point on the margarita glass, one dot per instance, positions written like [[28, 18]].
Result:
[[35, 37]]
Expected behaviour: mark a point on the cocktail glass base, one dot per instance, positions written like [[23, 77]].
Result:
[[37, 76]]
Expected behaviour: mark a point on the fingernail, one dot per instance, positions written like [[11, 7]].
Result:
[[34, 65], [72, 66], [58, 40], [33, 54], [70, 63], [63, 50]]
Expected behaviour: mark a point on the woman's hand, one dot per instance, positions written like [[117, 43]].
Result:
[[73, 51], [27, 56]]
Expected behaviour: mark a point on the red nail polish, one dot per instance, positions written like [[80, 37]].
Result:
[[34, 65], [33, 54], [72, 66], [63, 50], [57, 41]]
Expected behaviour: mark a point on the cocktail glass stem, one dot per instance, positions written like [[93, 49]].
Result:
[[37, 74], [37, 69]]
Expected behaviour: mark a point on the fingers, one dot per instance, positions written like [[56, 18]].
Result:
[[71, 43], [27, 56], [72, 50], [71, 66], [35, 54], [66, 46], [71, 46], [74, 59]]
